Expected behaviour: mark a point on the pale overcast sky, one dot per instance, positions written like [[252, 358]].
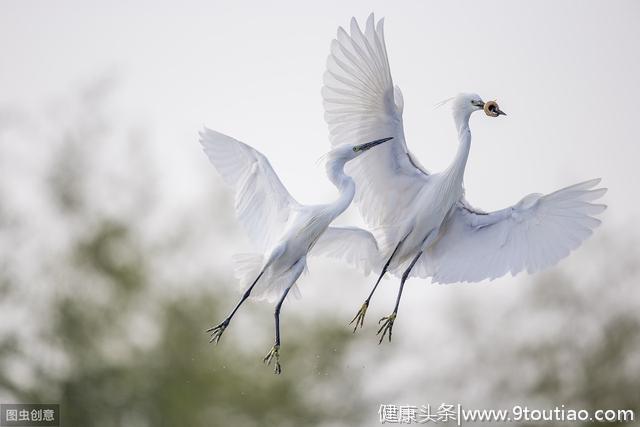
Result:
[[565, 72]]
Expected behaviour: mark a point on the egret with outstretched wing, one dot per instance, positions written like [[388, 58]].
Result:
[[284, 230], [423, 224]]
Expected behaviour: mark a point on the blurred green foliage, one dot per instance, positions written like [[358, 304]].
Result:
[[180, 379], [592, 359], [116, 349], [117, 343]]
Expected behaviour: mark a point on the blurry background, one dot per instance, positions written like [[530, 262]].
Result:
[[116, 235]]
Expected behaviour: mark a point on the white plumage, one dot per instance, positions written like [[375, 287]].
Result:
[[351, 244], [423, 224], [263, 205], [275, 221], [284, 231], [532, 235]]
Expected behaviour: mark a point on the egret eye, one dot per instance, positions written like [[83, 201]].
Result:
[[355, 149]]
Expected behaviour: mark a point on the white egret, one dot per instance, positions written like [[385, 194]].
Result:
[[284, 230], [422, 221]]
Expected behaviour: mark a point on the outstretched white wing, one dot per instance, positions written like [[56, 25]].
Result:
[[361, 104], [262, 203], [354, 245], [532, 235]]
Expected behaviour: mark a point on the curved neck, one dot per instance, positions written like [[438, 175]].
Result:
[[344, 184], [456, 169]]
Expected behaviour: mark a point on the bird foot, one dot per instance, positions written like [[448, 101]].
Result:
[[275, 356], [387, 326], [216, 331], [359, 319]]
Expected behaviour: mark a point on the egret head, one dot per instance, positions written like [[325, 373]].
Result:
[[340, 155], [362, 148], [346, 152], [467, 103]]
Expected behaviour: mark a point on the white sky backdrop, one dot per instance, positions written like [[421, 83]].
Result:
[[566, 72]]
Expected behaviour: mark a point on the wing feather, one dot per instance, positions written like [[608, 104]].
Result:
[[361, 104], [262, 203], [532, 235], [354, 245]]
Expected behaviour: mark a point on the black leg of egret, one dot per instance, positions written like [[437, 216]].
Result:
[[216, 331], [274, 352], [359, 319], [387, 326]]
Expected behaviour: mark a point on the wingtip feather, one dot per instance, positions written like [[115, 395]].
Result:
[[371, 20], [354, 25], [592, 182]]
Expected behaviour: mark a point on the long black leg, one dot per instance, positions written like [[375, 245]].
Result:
[[359, 318], [405, 276], [387, 326], [276, 313], [216, 331], [274, 352]]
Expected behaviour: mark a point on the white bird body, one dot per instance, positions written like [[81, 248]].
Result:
[[265, 207], [433, 203], [284, 230], [300, 234], [422, 222]]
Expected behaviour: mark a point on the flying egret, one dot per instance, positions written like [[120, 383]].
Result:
[[285, 230], [423, 223]]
